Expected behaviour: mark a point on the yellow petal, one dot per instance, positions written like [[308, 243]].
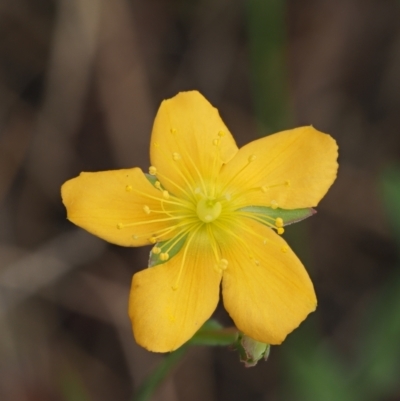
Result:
[[270, 293], [111, 205], [189, 142], [290, 170], [163, 318]]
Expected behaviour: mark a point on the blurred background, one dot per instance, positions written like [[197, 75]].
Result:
[[80, 83]]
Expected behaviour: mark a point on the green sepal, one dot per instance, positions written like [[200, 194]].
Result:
[[288, 216], [154, 259], [152, 179]]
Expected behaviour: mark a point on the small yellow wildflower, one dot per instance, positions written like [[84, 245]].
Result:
[[210, 211]]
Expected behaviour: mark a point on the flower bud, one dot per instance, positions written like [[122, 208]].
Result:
[[251, 351]]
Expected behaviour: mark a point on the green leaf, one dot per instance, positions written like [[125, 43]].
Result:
[[268, 215]]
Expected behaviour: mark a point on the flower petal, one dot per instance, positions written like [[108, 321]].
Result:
[[110, 204], [163, 318], [290, 170], [186, 142], [265, 288]]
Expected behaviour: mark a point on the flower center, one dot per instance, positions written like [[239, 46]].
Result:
[[208, 209]]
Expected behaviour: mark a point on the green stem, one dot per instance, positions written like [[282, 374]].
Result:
[[151, 383], [212, 334], [267, 45]]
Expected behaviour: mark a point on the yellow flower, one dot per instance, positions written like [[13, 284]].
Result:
[[210, 211]]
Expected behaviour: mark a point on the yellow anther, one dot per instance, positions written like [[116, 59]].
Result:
[[216, 142], [157, 184], [128, 188], [221, 134], [146, 209], [222, 265], [280, 230], [165, 194], [173, 131], [164, 256], [274, 204], [279, 222], [156, 250], [176, 156], [153, 239], [252, 158], [284, 249], [152, 170], [120, 226]]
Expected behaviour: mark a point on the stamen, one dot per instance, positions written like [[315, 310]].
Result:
[[183, 165], [280, 230], [139, 223], [192, 235], [173, 183], [146, 209], [223, 264], [157, 184], [152, 170], [165, 194], [177, 238], [266, 188], [165, 231], [274, 204], [243, 227], [233, 234], [279, 222], [156, 250], [263, 219], [164, 256], [153, 239], [250, 159]]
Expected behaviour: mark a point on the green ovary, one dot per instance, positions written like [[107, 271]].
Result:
[[208, 210]]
